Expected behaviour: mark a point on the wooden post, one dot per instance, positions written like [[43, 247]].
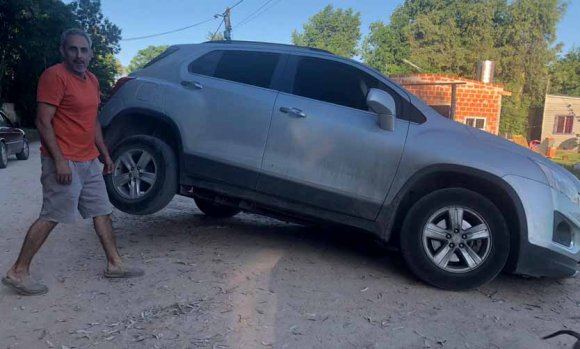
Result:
[[453, 101]]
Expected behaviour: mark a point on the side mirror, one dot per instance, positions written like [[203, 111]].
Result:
[[384, 105]]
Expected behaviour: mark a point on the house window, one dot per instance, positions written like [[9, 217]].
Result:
[[477, 122], [563, 124]]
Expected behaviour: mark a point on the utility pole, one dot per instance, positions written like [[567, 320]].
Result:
[[228, 23]]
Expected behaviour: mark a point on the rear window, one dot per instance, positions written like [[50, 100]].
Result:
[[164, 54], [206, 64], [246, 67]]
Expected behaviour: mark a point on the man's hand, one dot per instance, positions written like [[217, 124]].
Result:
[[108, 168], [63, 172]]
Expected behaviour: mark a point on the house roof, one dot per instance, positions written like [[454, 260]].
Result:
[[445, 78]]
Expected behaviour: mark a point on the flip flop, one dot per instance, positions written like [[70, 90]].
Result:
[[26, 287], [124, 273]]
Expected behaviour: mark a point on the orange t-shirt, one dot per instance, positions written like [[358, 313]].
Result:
[[76, 101]]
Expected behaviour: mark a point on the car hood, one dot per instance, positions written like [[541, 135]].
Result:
[[506, 145]]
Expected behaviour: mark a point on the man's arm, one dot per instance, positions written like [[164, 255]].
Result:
[[100, 142], [44, 116]]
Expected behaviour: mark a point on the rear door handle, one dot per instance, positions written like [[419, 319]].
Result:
[[293, 111], [192, 85]]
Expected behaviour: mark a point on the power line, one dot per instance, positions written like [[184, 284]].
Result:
[[218, 28], [253, 13], [187, 27], [239, 2], [171, 31], [262, 9]]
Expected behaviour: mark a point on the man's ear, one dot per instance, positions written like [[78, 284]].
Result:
[[61, 50]]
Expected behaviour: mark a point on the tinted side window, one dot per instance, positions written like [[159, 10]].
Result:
[[333, 82], [246, 67], [206, 64], [252, 68]]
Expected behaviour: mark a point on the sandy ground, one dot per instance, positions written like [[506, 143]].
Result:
[[251, 282]]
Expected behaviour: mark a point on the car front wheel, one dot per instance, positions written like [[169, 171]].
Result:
[[455, 239], [144, 177]]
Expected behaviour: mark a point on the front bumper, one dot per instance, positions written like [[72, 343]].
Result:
[[539, 255]]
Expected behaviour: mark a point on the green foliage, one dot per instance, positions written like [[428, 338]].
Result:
[[143, 56], [565, 74], [337, 31], [526, 47], [451, 36], [383, 49], [213, 36], [437, 35], [105, 36], [30, 33]]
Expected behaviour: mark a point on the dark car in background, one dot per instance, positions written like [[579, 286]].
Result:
[[12, 141]]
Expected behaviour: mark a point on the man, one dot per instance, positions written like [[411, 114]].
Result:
[[71, 138]]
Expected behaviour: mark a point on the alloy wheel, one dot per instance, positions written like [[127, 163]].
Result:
[[135, 173], [457, 239]]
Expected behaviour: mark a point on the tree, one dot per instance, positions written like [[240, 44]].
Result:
[[450, 36], [337, 31], [30, 33], [385, 50], [565, 74], [437, 35], [214, 36], [145, 55], [526, 48], [105, 36]]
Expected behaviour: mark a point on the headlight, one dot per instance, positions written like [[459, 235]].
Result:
[[560, 182]]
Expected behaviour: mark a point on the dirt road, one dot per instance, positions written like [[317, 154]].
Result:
[[251, 282]]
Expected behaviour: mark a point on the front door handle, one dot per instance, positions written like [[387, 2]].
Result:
[[293, 111], [192, 85]]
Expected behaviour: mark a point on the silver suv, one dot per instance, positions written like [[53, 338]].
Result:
[[301, 134]]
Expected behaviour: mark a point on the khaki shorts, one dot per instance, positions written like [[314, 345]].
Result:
[[86, 193]]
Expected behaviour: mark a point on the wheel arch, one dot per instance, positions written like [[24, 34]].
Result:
[[436, 177], [140, 121]]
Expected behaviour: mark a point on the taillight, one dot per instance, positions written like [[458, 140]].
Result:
[[119, 84]]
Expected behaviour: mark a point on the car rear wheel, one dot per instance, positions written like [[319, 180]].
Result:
[[144, 177], [25, 152], [455, 239], [3, 155], [215, 210]]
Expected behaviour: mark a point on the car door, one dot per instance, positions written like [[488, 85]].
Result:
[[325, 148], [225, 101], [12, 136]]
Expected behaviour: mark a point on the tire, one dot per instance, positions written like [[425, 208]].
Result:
[[144, 178], [3, 155], [214, 210], [25, 152], [459, 258]]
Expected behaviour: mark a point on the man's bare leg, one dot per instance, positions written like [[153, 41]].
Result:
[[104, 230], [35, 238], [115, 267]]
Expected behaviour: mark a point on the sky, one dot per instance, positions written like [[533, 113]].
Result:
[[258, 20]]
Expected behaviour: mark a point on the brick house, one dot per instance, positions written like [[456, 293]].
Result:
[[478, 104]]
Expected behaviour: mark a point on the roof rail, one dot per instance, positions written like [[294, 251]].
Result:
[[266, 43]]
